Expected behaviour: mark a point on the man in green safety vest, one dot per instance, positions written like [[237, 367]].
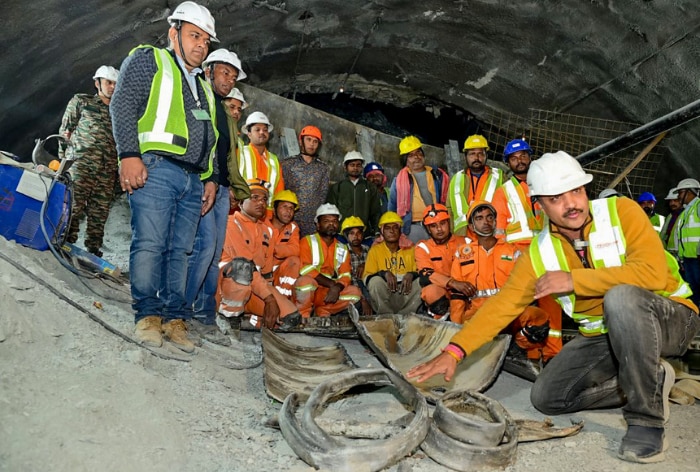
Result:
[[606, 266], [164, 123]]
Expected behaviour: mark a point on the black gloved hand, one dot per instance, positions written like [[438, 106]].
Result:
[[536, 334]]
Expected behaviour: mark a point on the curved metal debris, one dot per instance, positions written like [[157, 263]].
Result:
[[531, 430], [403, 341], [471, 417], [293, 368], [321, 450], [462, 456]]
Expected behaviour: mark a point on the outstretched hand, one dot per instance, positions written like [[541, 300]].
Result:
[[442, 364]]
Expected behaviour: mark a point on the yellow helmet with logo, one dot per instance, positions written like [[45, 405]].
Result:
[[390, 217], [286, 196], [476, 141], [409, 144], [352, 222]]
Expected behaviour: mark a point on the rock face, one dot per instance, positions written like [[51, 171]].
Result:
[[630, 60]]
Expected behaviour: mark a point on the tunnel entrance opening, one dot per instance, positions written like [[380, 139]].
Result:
[[433, 123]]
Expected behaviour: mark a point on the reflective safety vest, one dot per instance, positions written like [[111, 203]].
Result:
[[458, 197], [248, 166], [657, 221], [317, 257], [547, 254], [669, 235], [163, 126], [523, 223], [687, 233]]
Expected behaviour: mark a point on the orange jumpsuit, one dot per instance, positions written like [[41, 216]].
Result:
[[511, 218], [286, 263], [488, 271], [249, 239], [332, 261], [253, 165], [434, 263]]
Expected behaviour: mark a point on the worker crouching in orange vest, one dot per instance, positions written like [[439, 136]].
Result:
[[484, 265], [324, 286], [434, 258], [246, 265], [285, 243]]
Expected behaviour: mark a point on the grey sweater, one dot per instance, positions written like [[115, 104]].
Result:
[[129, 104]]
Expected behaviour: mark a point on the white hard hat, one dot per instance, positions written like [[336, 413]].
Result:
[[556, 173], [257, 117], [353, 156], [327, 209], [691, 184], [672, 194], [227, 57], [196, 14], [609, 192], [237, 95], [106, 72]]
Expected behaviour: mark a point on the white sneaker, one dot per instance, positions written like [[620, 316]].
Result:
[[669, 380]]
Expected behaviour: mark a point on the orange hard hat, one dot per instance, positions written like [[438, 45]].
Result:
[[435, 213], [311, 131]]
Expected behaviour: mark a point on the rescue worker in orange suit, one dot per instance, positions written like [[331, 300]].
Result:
[[325, 283], [519, 219], [485, 264], [434, 258], [256, 161], [476, 182], [285, 243], [245, 265]]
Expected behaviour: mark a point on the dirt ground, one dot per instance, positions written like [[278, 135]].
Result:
[[75, 397]]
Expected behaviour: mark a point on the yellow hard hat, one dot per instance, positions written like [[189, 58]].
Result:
[[476, 141], [352, 222], [390, 217], [409, 144], [286, 196]]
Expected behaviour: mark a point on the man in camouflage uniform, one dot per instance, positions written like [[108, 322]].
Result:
[[87, 126]]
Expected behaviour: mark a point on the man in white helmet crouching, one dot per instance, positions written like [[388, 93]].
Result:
[[606, 265]]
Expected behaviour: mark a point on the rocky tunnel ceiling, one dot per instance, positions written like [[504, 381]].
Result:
[[630, 60]]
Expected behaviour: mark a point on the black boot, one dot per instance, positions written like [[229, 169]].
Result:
[[643, 444]]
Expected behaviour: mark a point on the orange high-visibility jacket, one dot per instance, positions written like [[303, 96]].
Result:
[[435, 261], [250, 239], [337, 270], [285, 242]]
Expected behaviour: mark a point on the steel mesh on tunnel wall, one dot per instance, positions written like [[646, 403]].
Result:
[[548, 131]]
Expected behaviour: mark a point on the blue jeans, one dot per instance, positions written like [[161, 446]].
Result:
[[621, 367], [203, 262], [691, 267], [164, 218]]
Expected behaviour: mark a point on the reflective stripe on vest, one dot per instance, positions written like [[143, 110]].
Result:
[[458, 199], [317, 258], [163, 126], [688, 232], [248, 166], [657, 221], [516, 204], [423, 246], [607, 249]]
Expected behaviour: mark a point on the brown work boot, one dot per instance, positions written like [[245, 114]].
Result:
[[148, 331], [176, 332]]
